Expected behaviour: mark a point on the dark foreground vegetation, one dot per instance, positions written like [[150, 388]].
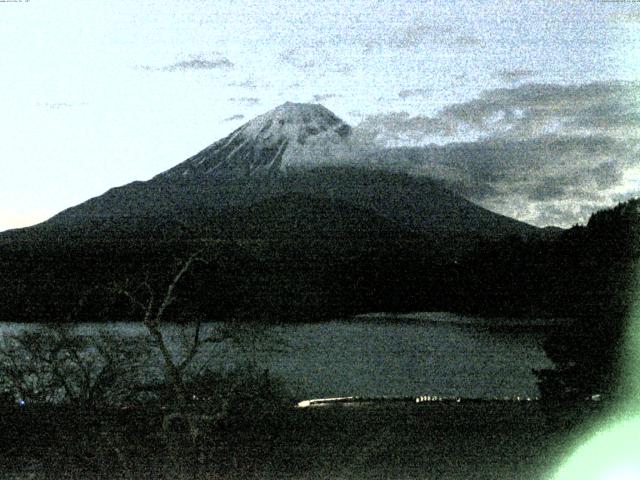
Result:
[[85, 414], [335, 261], [247, 428], [484, 440]]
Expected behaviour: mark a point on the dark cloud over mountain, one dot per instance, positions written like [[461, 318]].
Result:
[[537, 152], [523, 112]]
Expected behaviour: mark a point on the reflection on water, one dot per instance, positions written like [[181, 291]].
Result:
[[427, 353]]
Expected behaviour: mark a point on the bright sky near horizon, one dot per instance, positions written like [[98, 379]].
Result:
[[97, 94]]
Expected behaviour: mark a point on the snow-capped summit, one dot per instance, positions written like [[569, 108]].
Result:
[[293, 134], [294, 121]]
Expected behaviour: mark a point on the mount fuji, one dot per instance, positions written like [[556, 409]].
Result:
[[302, 222], [296, 149]]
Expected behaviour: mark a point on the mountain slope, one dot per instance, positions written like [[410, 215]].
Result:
[[293, 229], [295, 148], [163, 208]]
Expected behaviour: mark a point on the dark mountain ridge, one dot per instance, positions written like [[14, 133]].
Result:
[[416, 203]]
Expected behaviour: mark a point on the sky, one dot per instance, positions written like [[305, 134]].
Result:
[[531, 109]]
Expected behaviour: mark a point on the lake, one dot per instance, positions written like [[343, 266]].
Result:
[[376, 355]]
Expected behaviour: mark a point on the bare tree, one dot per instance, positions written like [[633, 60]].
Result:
[[152, 302], [55, 364]]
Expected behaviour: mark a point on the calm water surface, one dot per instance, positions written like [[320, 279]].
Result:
[[375, 355]]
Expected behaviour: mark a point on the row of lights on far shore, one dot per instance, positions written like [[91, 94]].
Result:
[[426, 398], [518, 398], [420, 399], [437, 398]]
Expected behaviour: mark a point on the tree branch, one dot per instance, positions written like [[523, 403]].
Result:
[[168, 297]]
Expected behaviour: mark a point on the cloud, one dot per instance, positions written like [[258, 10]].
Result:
[[59, 105], [527, 111], [340, 67], [325, 96], [197, 62], [414, 92], [558, 213], [249, 101], [516, 74], [413, 35], [467, 41], [408, 36], [628, 17], [536, 152], [233, 117], [301, 58], [545, 168], [244, 84]]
